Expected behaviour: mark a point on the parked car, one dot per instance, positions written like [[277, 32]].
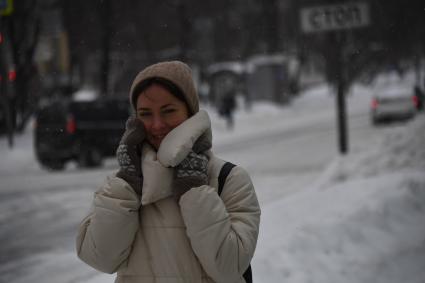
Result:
[[84, 131], [420, 96], [392, 102]]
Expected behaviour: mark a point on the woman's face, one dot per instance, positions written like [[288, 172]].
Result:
[[160, 112]]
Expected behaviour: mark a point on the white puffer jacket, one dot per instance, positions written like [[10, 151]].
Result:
[[203, 238]]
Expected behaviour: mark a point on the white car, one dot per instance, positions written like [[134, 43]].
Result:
[[393, 101]]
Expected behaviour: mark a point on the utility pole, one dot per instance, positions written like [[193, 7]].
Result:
[[340, 98]]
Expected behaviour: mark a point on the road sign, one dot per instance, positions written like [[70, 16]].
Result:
[[6, 7], [334, 17], [337, 17]]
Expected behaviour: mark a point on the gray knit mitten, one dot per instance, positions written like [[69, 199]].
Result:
[[190, 173], [129, 154]]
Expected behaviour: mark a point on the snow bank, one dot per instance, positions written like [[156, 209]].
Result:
[[362, 222], [402, 149]]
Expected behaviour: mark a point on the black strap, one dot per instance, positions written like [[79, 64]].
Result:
[[247, 275], [224, 172]]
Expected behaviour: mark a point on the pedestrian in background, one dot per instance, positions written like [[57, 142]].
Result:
[[227, 108], [160, 217]]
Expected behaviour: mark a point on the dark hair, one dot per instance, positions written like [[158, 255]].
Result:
[[168, 85]]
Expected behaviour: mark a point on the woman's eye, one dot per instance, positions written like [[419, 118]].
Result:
[[144, 114], [168, 111]]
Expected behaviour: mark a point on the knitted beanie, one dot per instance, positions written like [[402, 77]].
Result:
[[177, 73]]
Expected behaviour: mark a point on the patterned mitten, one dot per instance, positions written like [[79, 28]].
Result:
[[129, 154], [190, 173]]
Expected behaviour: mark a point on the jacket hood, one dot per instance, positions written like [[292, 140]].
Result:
[[157, 166], [179, 141]]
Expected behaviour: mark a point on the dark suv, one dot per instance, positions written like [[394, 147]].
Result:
[[85, 131]]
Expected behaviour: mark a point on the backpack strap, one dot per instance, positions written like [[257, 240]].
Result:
[[224, 172], [248, 275]]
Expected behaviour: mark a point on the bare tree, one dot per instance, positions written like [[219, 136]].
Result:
[[23, 30]]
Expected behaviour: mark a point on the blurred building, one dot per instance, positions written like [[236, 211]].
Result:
[[52, 53], [273, 78]]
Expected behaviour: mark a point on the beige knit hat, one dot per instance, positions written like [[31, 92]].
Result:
[[177, 73]]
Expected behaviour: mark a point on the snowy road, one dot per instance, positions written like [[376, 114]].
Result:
[[40, 211]]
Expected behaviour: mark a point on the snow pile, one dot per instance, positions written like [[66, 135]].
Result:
[[402, 150], [362, 222]]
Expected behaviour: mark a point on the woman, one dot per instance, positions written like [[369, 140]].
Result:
[[160, 219]]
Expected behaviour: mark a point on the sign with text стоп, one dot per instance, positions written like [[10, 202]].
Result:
[[334, 17]]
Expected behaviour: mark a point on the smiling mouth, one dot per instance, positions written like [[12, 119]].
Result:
[[155, 139], [158, 137]]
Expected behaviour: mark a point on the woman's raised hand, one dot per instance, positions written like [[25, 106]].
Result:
[[129, 154]]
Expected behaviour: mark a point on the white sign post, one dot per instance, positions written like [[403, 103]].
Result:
[[336, 18]]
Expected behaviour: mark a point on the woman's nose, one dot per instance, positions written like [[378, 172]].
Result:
[[158, 123]]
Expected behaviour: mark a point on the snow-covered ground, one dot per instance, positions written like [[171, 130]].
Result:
[[361, 219]]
